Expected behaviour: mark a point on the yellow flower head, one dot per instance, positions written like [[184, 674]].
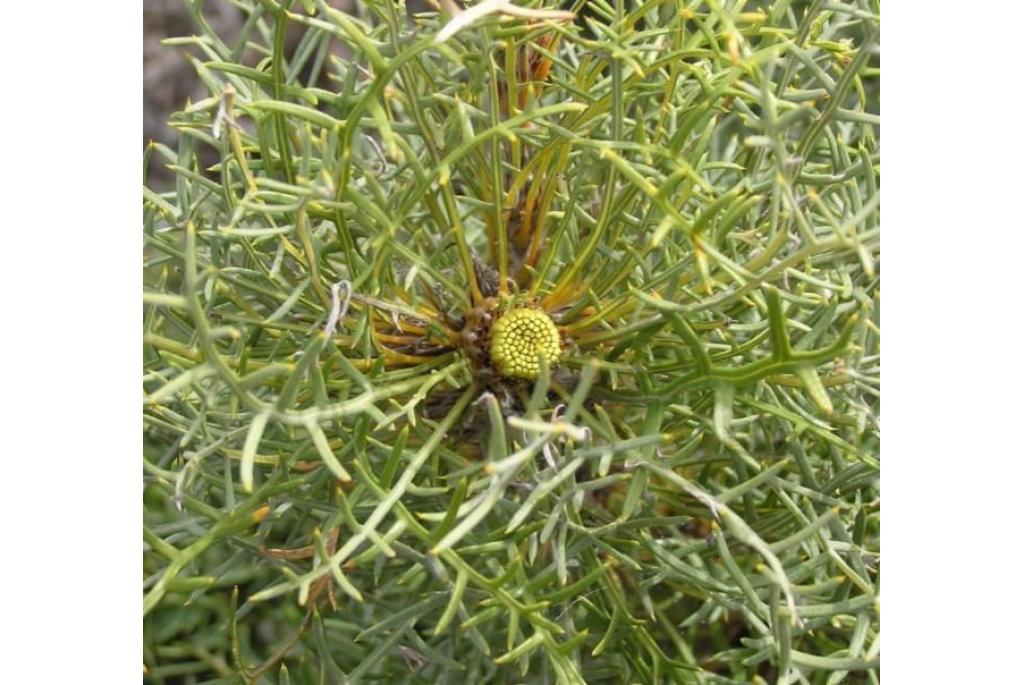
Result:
[[520, 338]]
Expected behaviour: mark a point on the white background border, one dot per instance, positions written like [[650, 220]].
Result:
[[70, 342]]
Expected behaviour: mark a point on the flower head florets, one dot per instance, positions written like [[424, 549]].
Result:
[[520, 338]]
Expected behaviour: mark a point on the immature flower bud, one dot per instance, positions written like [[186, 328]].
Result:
[[520, 338]]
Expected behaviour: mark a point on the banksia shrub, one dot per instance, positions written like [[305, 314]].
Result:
[[508, 343]]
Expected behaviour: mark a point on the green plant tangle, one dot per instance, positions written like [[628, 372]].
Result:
[[343, 485]]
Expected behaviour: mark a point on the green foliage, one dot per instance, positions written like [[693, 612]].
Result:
[[339, 487]]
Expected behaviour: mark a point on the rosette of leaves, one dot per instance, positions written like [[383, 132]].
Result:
[[345, 483]]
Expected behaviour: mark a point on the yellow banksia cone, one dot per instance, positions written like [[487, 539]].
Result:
[[520, 338]]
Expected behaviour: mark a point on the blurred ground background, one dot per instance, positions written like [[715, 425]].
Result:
[[168, 80]]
